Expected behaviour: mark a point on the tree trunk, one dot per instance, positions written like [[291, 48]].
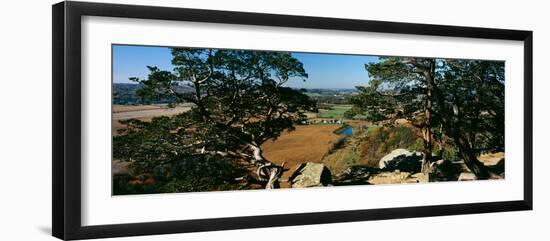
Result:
[[256, 153], [427, 131], [266, 170], [470, 159], [465, 146], [427, 135]]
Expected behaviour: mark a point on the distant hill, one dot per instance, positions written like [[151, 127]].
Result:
[[332, 91], [125, 94], [330, 96]]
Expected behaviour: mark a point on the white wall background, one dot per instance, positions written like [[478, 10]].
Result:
[[25, 122]]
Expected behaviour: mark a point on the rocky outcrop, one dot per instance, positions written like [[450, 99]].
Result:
[[398, 177], [355, 175], [310, 174], [399, 166], [402, 160]]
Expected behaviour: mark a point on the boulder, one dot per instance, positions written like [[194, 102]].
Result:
[[467, 176], [310, 174], [402, 160]]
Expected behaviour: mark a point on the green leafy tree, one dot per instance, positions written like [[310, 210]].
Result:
[[400, 88], [239, 101], [470, 97], [459, 100]]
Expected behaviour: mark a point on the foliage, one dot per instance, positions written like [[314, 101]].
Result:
[[448, 151], [399, 88], [157, 148], [461, 101], [396, 90], [201, 173], [256, 106], [470, 96], [239, 102], [472, 102]]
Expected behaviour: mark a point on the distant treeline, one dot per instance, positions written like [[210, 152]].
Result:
[[125, 94]]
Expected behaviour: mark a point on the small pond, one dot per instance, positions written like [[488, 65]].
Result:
[[346, 131]]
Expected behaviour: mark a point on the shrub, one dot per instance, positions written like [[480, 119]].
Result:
[[188, 174], [381, 140], [201, 173], [447, 152], [155, 150]]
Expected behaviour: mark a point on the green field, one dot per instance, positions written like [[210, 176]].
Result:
[[336, 111], [313, 94]]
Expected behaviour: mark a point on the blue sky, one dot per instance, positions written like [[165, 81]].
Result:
[[324, 70]]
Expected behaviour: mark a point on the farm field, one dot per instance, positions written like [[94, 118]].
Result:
[[129, 108], [142, 112], [308, 143], [336, 111]]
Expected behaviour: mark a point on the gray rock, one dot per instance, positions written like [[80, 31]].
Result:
[[467, 176], [402, 160], [310, 174]]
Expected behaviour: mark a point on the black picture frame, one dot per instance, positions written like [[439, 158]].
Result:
[[66, 47]]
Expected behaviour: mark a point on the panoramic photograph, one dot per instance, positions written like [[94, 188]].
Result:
[[206, 119]]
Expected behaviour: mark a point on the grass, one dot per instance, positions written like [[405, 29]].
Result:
[[336, 111], [346, 156], [348, 153]]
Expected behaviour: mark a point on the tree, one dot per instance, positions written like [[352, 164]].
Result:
[[400, 87], [239, 102], [470, 97], [460, 100]]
